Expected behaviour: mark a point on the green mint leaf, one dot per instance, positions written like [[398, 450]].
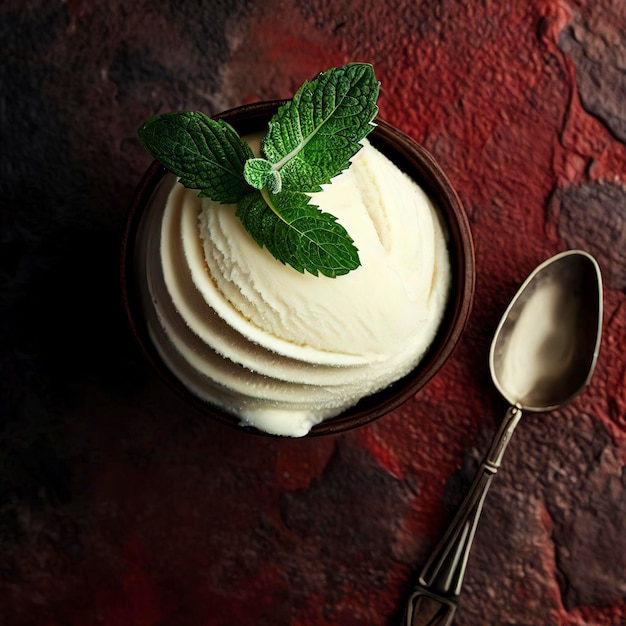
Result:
[[205, 154], [298, 233], [312, 138], [259, 174]]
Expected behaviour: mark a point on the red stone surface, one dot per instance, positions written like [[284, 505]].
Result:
[[120, 506]]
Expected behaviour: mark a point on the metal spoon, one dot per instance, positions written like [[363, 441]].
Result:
[[542, 355]]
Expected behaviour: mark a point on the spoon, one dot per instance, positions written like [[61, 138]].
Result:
[[542, 356]]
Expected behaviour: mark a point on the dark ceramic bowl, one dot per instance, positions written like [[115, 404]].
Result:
[[409, 157]]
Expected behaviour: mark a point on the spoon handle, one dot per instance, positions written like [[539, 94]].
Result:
[[444, 570], [425, 609]]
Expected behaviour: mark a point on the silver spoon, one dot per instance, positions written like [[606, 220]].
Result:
[[542, 355]]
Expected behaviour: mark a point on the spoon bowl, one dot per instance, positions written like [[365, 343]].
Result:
[[546, 345]]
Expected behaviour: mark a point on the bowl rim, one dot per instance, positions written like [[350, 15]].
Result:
[[406, 153]]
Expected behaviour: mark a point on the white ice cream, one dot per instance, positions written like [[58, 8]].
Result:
[[283, 350]]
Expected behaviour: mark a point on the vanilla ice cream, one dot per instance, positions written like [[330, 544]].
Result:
[[283, 350]]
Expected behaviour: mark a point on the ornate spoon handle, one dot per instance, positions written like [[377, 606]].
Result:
[[442, 576], [424, 609], [444, 570]]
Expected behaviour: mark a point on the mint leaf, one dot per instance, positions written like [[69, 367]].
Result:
[[297, 233], [205, 154], [312, 138], [259, 174]]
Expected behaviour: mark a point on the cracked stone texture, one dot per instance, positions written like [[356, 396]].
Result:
[[120, 506], [596, 43], [585, 212]]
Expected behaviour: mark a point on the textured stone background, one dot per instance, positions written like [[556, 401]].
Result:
[[119, 506]]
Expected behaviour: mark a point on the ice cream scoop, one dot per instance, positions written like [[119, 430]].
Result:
[[282, 350]]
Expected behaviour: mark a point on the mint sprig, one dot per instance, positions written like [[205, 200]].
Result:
[[310, 140]]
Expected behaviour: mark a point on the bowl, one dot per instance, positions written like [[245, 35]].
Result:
[[410, 157]]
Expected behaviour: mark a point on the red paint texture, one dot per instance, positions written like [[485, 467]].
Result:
[[175, 521]]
